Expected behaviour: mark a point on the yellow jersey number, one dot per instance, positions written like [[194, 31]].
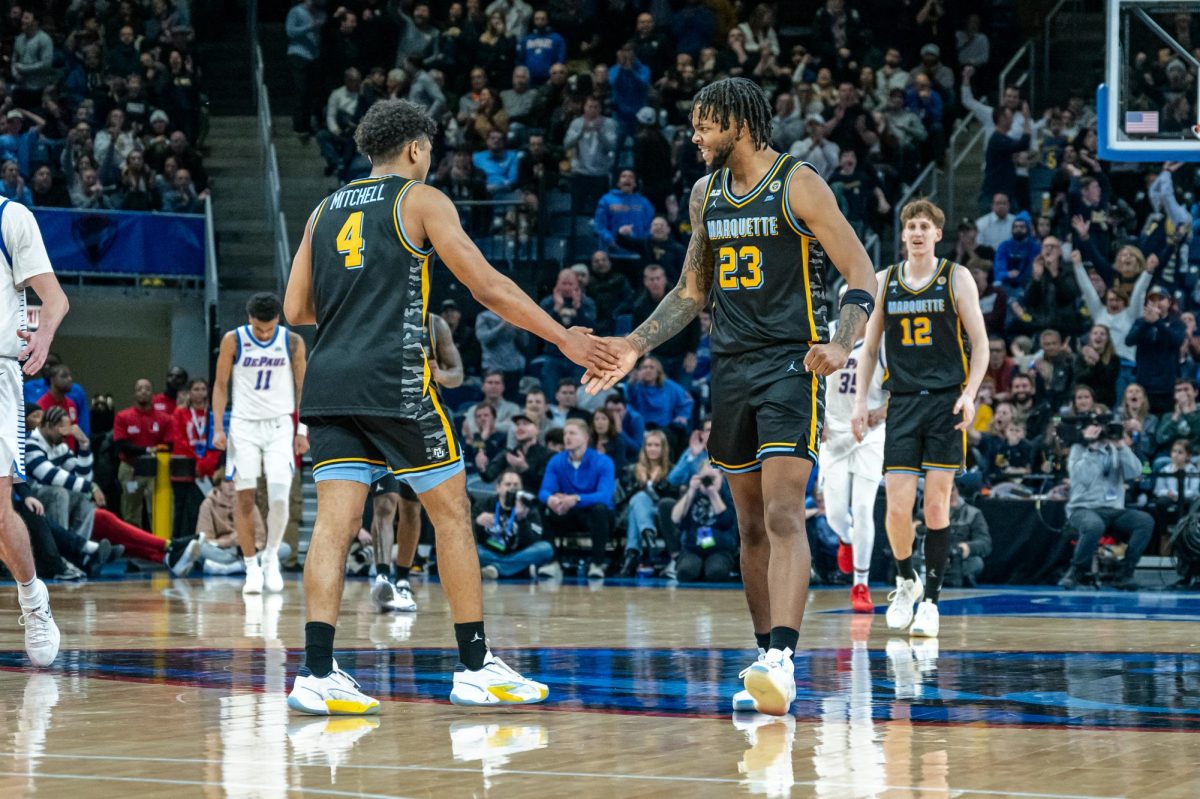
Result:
[[746, 260], [915, 332], [350, 241]]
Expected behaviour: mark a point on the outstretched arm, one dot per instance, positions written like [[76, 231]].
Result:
[[431, 215], [859, 419], [966, 300], [298, 305], [810, 199], [220, 389], [677, 308]]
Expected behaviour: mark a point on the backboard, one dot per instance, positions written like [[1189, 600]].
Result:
[[1148, 108]]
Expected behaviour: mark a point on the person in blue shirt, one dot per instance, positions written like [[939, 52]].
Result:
[[630, 81], [498, 164], [660, 401], [620, 208], [541, 48], [578, 494], [1014, 257], [629, 421]]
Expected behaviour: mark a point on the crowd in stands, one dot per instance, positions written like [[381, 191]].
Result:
[[102, 106]]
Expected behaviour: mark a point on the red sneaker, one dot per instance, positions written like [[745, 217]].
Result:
[[860, 599], [845, 558]]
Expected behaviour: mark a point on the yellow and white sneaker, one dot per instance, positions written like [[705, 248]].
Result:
[[772, 682], [335, 694], [328, 742], [494, 684], [927, 622], [767, 764], [743, 702]]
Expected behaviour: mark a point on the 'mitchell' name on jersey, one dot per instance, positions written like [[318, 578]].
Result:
[[263, 387], [768, 286]]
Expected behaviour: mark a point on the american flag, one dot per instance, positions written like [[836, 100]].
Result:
[[1141, 122]]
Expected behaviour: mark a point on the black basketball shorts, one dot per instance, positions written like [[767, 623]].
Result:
[[364, 449], [764, 405], [920, 433]]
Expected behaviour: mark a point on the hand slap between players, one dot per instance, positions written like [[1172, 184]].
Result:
[[602, 379], [591, 352]]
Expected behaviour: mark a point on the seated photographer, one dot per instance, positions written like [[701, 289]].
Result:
[[578, 493], [508, 533], [970, 541], [1099, 464], [527, 457], [1183, 422], [707, 533]]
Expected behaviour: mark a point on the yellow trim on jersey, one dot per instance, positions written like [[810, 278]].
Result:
[[408, 245], [777, 444], [727, 193], [426, 389], [332, 461], [748, 464], [814, 443], [316, 218], [808, 298], [923, 289], [427, 468], [928, 464]]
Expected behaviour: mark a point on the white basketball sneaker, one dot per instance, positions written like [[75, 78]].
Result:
[[927, 621], [494, 684], [404, 601], [743, 701], [254, 579], [272, 577], [41, 633], [772, 682], [335, 694], [907, 594]]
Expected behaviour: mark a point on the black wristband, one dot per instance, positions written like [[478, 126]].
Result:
[[861, 298]]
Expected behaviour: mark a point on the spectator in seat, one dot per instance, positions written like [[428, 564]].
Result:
[[540, 49], [519, 101], [593, 140], [1026, 402], [60, 479], [608, 289], [629, 421], [1052, 298], [1001, 368], [673, 353], [489, 117], [182, 197], [787, 126], [848, 124], [174, 394], [137, 190], [647, 482], [46, 192], [608, 438], [89, 193], [517, 14], [931, 65], [630, 80], [907, 126], [192, 427], [219, 551], [336, 139], [1000, 173], [1157, 336], [995, 227], [691, 458], [187, 158], [59, 384], [139, 430], [495, 52], [578, 494], [651, 46], [123, 57], [816, 149], [623, 209], [653, 158], [1015, 257], [36, 387], [705, 520], [486, 444], [1099, 470], [499, 166], [860, 190], [526, 456], [537, 171], [1183, 422], [1116, 313], [1009, 457], [659, 247], [500, 349], [32, 61], [12, 185], [662, 402], [1139, 423], [508, 531], [566, 401], [112, 146], [1052, 369], [568, 305], [1168, 485], [1098, 367], [493, 394], [924, 101], [970, 542]]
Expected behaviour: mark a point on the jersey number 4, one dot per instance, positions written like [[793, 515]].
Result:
[[731, 261], [350, 241], [915, 332]]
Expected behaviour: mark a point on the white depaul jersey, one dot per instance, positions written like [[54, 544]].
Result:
[[841, 392], [262, 382], [24, 256]]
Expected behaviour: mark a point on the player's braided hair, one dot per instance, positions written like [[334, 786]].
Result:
[[737, 103], [391, 124]]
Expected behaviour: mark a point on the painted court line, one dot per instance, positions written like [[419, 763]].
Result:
[[41, 775], [494, 772]]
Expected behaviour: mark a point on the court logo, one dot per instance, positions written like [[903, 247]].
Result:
[[775, 186]]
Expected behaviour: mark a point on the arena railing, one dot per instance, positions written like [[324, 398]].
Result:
[[275, 218], [212, 294], [966, 140]]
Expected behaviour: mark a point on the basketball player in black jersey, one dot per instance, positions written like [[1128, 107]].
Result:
[[924, 306], [361, 274], [762, 223]]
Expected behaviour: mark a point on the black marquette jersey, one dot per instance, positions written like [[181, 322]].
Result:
[[371, 289], [922, 333], [769, 281]]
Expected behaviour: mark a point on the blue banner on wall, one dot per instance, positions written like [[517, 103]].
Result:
[[123, 242]]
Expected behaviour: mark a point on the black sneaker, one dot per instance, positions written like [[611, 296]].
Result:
[[1072, 578], [92, 563], [182, 554], [630, 567]]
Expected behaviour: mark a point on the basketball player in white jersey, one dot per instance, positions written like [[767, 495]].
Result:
[[395, 507], [25, 263], [266, 362], [851, 472]]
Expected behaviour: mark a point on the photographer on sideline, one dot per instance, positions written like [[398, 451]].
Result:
[[508, 532], [705, 519], [1098, 466]]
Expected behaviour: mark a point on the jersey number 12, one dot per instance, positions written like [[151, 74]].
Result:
[[915, 332]]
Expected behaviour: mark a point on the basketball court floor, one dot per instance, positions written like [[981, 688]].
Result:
[[177, 689]]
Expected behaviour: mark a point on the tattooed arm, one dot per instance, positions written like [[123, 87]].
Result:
[[679, 307], [811, 200]]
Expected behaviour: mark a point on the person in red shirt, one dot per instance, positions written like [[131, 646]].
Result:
[[191, 436], [139, 430], [59, 382], [169, 400]]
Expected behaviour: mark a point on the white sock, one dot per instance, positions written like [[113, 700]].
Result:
[[31, 591], [251, 562], [90, 546], [277, 514], [860, 577]]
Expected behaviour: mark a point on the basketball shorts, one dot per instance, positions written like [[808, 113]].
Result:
[[260, 446], [864, 459], [764, 405], [364, 449], [12, 420], [921, 435], [388, 484]]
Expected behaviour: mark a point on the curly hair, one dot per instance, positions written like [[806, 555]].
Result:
[[264, 306], [391, 124], [737, 103]]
